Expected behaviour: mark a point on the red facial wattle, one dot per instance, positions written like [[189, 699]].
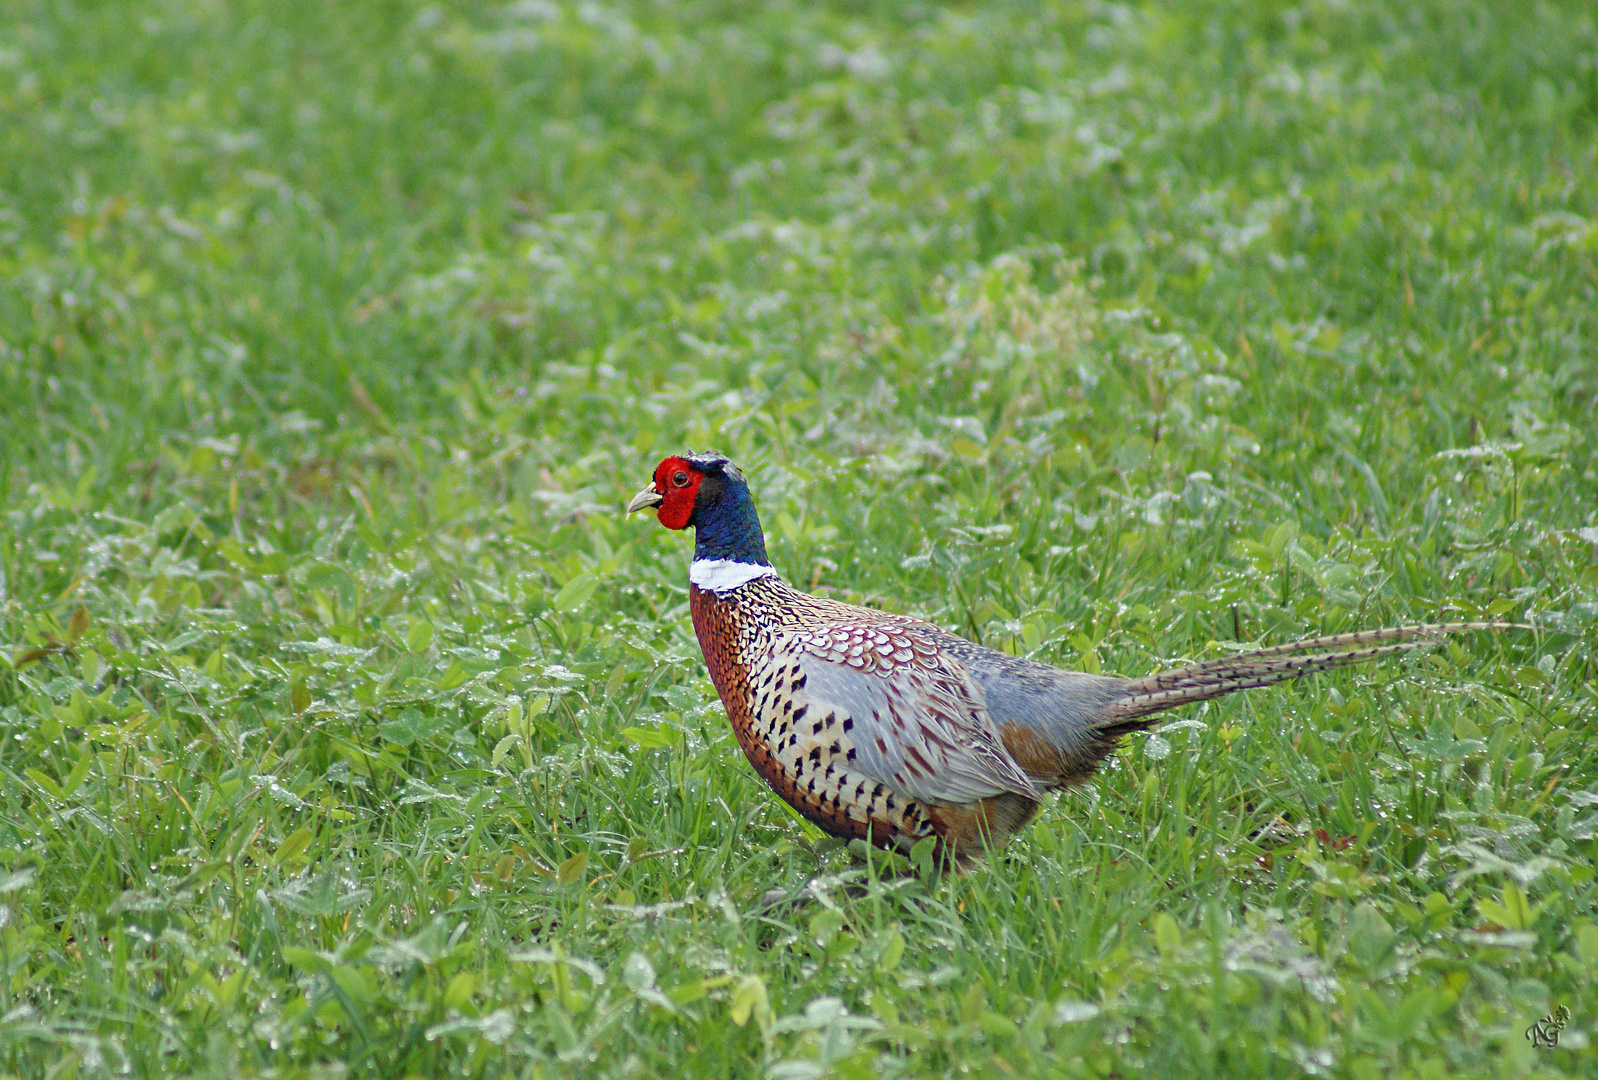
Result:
[[678, 484]]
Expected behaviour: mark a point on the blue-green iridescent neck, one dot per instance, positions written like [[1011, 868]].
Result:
[[727, 527]]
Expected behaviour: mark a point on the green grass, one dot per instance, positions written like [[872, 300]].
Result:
[[350, 729]]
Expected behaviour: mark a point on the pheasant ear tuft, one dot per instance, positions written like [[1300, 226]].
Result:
[[708, 461]]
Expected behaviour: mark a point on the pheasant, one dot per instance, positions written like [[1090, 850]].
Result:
[[890, 729]]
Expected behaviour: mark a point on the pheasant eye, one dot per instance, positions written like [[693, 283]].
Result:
[[679, 478]]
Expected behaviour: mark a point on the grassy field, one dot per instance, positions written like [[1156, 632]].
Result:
[[349, 729]]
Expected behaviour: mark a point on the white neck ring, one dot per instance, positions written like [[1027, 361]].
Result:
[[724, 575]]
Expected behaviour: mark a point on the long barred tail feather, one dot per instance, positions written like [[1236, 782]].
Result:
[[1265, 667]]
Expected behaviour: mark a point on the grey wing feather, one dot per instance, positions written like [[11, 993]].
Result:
[[923, 731], [1069, 710]]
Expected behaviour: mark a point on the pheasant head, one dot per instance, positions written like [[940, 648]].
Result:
[[707, 492]]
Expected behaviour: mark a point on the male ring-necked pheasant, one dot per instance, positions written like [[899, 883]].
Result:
[[887, 728]]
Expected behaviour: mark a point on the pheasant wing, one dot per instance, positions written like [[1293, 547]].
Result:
[[903, 711]]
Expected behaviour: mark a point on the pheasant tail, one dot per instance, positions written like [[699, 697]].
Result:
[[1264, 667]]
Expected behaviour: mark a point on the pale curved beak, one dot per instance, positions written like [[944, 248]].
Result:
[[645, 499]]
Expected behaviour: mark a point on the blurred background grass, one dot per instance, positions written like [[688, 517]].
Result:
[[350, 730]]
